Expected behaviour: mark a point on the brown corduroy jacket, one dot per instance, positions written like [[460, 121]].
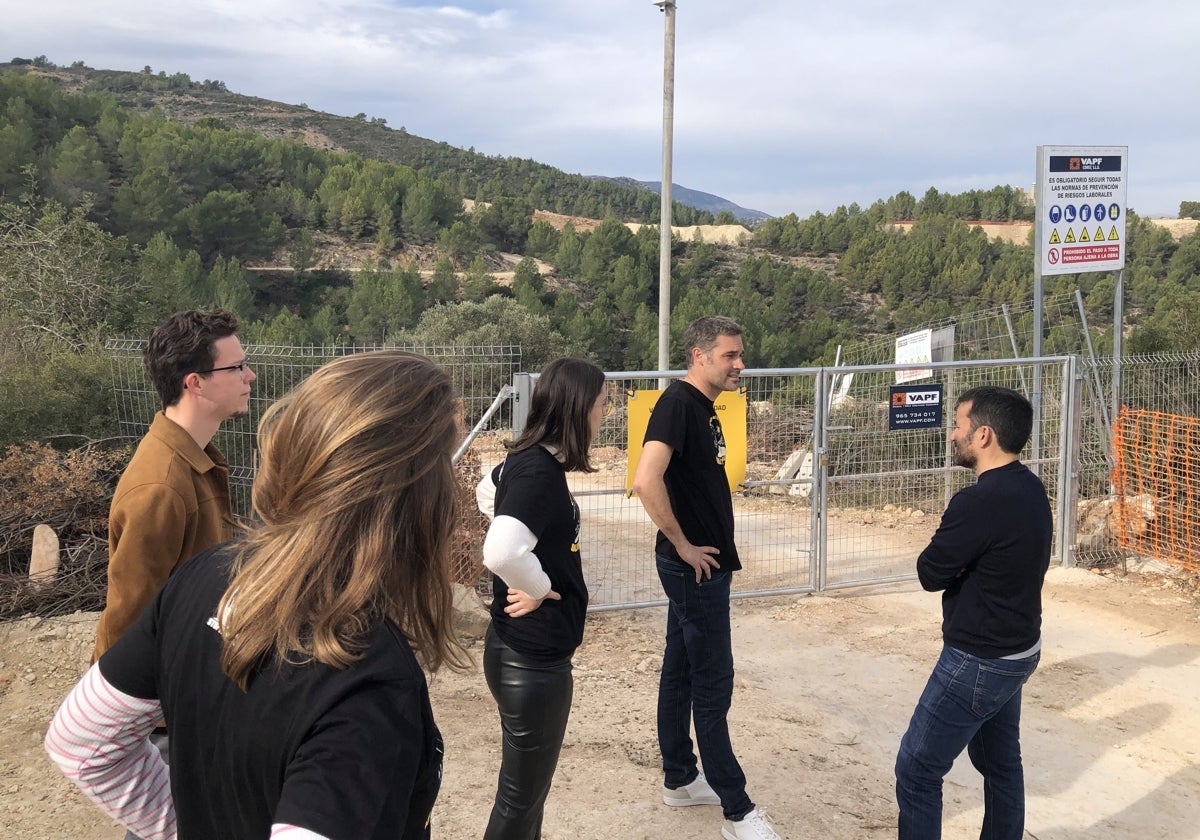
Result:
[[171, 503]]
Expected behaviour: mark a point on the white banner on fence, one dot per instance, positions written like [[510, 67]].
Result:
[[914, 348]]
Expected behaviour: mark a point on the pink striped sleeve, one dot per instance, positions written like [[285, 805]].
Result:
[[283, 831], [98, 738]]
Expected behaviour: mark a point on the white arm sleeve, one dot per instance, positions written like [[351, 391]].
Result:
[[508, 553], [485, 496], [99, 740]]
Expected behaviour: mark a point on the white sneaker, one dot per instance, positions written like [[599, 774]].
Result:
[[697, 792], [753, 826]]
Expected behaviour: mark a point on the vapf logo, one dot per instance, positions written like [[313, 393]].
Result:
[[1082, 163], [915, 407], [902, 399]]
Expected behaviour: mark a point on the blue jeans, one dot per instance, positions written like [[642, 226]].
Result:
[[973, 703], [697, 682]]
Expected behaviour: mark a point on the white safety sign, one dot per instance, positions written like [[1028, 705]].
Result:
[[1081, 208]]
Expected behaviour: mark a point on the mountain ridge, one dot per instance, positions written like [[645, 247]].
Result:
[[180, 98], [695, 198]]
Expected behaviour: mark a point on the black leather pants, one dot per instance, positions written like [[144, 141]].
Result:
[[534, 700]]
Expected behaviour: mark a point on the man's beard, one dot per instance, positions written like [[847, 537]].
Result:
[[963, 459]]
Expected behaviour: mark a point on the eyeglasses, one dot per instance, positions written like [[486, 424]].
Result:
[[240, 367]]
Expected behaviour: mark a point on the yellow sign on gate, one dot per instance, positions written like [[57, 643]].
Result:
[[731, 409]]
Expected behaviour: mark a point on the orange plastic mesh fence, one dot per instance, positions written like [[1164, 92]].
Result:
[[1157, 481]]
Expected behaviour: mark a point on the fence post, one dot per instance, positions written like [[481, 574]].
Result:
[[1068, 458], [819, 565], [950, 394], [504, 394], [522, 391]]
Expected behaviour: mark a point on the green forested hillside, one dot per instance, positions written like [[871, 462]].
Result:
[[124, 196], [472, 175]]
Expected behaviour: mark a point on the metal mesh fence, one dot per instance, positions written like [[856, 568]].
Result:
[[1005, 332], [774, 530], [885, 489], [1110, 512], [862, 518], [1165, 382], [478, 374]]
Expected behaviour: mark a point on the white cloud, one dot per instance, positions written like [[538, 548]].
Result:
[[779, 105]]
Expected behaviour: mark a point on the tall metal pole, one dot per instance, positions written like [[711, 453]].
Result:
[[1118, 341], [1036, 396], [1036, 401], [664, 214]]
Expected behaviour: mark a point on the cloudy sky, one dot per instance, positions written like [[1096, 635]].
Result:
[[780, 105]]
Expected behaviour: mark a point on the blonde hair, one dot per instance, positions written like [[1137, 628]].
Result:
[[356, 492]]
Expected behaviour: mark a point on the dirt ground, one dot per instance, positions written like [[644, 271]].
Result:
[[712, 234], [825, 686]]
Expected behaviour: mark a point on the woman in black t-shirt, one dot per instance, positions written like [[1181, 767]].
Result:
[[539, 596], [288, 664]]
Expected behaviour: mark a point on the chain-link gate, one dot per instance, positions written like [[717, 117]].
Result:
[[831, 497], [881, 493]]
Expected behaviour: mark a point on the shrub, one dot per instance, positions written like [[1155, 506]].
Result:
[[70, 491], [61, 394]]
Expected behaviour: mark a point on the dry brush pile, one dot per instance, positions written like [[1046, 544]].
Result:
[[70, 491]]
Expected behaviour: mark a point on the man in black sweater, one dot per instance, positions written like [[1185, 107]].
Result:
[[989, 557]]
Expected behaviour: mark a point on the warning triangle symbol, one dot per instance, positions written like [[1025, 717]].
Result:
[[1054, 240], [1083, 236], [1099, 237], [1070, 235], [1112, 234]]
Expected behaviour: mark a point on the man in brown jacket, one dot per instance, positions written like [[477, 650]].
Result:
[[172, 501]]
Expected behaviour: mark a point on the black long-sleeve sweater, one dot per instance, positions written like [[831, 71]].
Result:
[[990, 555]]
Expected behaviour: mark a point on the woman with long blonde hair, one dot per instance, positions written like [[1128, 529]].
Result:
[[288, 664]]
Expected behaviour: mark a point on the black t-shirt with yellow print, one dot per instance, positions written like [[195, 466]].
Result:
[[685, 420], [531, 487]]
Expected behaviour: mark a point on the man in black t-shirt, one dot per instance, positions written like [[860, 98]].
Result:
[[681, 481]]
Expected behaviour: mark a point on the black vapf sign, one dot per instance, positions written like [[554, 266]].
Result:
[[915, 407], [1080, 163]]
